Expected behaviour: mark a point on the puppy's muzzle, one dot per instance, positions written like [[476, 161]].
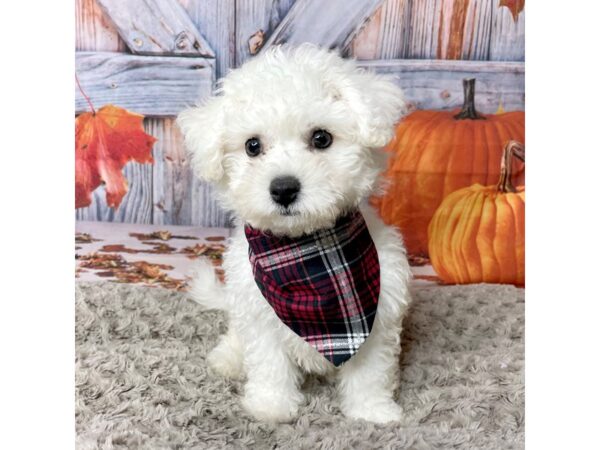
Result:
[[284, 190]]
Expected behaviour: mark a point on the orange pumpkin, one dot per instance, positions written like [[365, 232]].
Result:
[[478, 233], [435, 153]]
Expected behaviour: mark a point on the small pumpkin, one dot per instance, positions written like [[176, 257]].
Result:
[[477, 235], [435, 153]]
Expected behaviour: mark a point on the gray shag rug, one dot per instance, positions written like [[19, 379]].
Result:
[[142, 379]]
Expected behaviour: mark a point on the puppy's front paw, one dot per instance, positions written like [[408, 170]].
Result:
[[378, 412], [272, 407]]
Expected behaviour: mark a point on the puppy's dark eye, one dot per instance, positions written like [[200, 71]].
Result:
[[253, 147], [321, 139]]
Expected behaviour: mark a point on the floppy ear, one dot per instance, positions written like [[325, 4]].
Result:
[[378, 104], [202, 128]]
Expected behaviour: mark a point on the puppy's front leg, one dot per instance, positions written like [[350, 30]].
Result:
[[272, 391], [367, 381]]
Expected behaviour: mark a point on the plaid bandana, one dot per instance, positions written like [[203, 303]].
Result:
[[324, 286]]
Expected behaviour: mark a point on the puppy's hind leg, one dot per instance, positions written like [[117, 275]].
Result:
[[227, 357]]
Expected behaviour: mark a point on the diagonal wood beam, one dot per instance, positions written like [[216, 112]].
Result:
[[156, 27], [331, 23]]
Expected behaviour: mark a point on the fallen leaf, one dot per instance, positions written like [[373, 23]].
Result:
[[158, 248], [104, 142], [163, 235], [101, 261], [515, 7], [212, 251], [85, 238]]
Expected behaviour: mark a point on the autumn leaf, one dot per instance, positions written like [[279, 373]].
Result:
[[104, 142], [515, 6]]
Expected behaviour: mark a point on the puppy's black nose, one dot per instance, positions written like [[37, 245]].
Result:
[[284, 190]]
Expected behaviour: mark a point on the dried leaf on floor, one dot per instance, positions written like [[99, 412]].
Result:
[[162, 235], [159, 248], [85, 238], [212, 251]]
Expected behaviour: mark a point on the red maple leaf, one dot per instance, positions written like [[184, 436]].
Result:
[[515, 6], [105, 141]]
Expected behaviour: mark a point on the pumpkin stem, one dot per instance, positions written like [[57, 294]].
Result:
[[511, 149], [468, 110]]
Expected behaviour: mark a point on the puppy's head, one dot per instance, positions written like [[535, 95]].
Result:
[[294, 137]]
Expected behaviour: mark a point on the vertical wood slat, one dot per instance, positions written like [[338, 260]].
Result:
[[453, 29], [93, 30], [179, 197], [216, 21], [507, 42], [386, 35], [172, 177], [251, 16], [478, 29]]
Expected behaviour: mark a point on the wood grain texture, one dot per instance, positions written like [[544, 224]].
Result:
[[437, 84], [331, 24], [253, 17], [179, 197], [442, 29], [507, 40], [93, 30], [216, 20], [386, 35], [152, 86], [156, 27]]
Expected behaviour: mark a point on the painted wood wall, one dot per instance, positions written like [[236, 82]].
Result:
[[400, 31]]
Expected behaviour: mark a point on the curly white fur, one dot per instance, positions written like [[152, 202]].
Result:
[[281, 96]]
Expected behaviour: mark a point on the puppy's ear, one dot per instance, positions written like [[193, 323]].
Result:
[[378, 104], [202, 128]]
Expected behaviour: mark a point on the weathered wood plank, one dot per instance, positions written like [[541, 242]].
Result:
[[507, 40], [179, 197], [477, 30], [216, 19], [442, 29], [332, 24], [153, 86], [437, 84], [254, 21], [386, 35], [156, 27], [93, 30]]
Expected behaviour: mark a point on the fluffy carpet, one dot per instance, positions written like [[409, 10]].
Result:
[[142, 381]]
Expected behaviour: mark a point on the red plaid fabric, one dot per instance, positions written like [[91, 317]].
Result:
[[324, 286]]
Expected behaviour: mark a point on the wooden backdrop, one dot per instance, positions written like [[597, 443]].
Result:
[[429, 44]]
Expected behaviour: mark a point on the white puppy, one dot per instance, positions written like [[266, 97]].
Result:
[[308, 115]]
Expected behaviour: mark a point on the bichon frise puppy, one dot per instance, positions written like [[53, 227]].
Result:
[[315, 282]]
